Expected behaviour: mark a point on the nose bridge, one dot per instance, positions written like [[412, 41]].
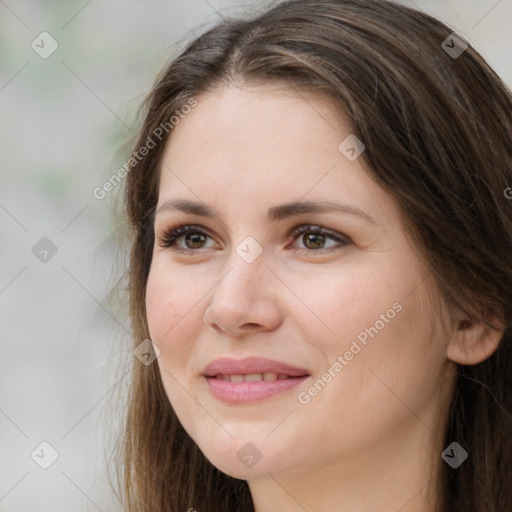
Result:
[[245, 272], [242, 297]]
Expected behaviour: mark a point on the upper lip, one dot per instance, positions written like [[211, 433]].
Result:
[[248, 365]]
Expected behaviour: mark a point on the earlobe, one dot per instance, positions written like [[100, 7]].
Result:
[[475, 340]]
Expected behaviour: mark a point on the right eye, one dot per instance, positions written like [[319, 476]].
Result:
[[193, 237]]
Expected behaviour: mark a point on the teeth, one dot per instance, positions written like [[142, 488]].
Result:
[[253, 377]]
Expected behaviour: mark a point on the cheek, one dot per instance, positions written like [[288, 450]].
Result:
[[341, 306], [384, 385], [172, 313], [389, 368], [377, 318]]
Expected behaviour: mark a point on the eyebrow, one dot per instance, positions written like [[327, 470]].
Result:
[[275, 213]]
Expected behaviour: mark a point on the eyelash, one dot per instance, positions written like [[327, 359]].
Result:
[[169, 238]]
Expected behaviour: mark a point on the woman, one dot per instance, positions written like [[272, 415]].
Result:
[[321, 258]]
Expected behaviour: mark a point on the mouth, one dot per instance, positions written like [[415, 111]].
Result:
[[251, 379]]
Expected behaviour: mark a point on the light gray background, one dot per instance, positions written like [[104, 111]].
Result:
[[64, 123]]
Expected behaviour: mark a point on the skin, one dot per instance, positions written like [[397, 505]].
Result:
[[379, 423]]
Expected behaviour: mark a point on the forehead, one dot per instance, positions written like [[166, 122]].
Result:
[[265, 145], [243, 127]]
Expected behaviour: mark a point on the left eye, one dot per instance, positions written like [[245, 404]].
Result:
[[314, 238]]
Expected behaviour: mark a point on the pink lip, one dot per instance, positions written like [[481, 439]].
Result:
[[237, 392]]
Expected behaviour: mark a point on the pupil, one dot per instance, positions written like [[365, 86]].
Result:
[[315, 238], [194, 238]]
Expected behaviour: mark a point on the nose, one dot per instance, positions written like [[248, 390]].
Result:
[[245, 300]]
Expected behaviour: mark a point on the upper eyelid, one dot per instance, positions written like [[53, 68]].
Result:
[[295, 232], [197, 227]]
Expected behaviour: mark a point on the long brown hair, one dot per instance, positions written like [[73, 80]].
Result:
[[437, 130]]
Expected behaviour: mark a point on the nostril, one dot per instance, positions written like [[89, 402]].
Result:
[[251, 325]]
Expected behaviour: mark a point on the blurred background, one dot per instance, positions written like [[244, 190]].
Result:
[[72, 75]]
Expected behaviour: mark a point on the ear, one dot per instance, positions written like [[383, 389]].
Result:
[[475, 339]]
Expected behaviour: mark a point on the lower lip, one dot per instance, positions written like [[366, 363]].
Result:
[[239, 392]]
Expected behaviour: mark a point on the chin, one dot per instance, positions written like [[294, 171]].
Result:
[[241, 458], [237, 469]]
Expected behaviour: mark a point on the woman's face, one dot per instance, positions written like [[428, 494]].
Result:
[[335, 323]]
